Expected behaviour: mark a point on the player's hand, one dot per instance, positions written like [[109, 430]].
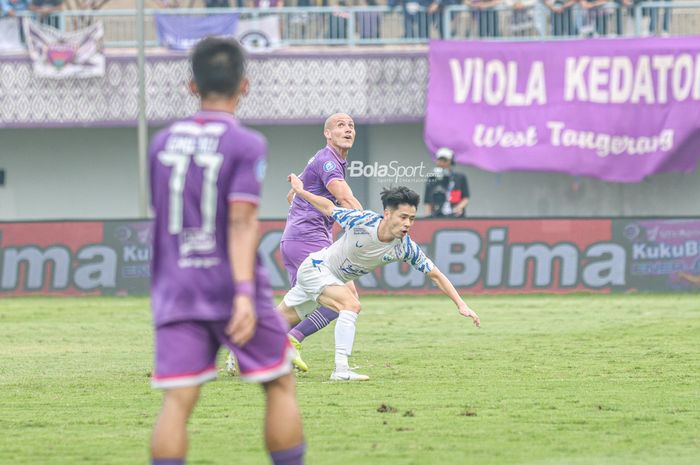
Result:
[[297, 184], [290, 196], [241, 327], [468, 312]]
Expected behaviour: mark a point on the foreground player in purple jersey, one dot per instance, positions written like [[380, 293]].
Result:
[[209, 288], [307, 230]]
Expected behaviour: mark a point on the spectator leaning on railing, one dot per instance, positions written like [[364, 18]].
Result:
[[562, 17], [654, 18], [595, 17], [217, 3], [338, 20], [45, 10], [420, 15], [369, 23], [437, 11], [12, 7], [485, 15], [266, 4], [522, 19], [621, 6], [171, 3]]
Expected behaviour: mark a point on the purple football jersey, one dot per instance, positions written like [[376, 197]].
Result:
[[304, 222], [197, 166]]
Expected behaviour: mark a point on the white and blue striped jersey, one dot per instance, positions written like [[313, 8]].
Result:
[[360, 251]]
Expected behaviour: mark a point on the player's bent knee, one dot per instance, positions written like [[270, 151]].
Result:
[[354, 306], [289, 313]]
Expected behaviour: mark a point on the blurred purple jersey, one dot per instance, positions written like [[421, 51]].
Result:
[[304, 222], [197, 166]]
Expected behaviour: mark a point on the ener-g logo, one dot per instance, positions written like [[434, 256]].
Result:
[[260, 170], [391, 172]]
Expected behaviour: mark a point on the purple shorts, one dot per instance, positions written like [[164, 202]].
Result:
[[295, 252], [185, 352]]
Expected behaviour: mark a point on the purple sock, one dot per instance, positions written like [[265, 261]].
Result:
[[167, 461], [319, 319], [293, 456]]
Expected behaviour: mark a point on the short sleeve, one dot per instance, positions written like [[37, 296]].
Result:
[[329, 170], [248, 173], [415, 256], [349, 218]]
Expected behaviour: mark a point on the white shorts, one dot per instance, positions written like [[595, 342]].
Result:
[[311, 281]]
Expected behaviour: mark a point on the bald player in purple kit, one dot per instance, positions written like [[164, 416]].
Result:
[[307, 230], [209, 288]]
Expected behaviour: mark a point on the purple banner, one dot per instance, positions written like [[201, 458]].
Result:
[[614, 109], [183, 32]]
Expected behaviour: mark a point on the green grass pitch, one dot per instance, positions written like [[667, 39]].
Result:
[[548, 380]]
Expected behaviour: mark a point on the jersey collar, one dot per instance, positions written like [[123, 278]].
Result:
[[216, 115], [340, 159]]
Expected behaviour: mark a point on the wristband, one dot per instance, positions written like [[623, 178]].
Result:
[[245, 288]]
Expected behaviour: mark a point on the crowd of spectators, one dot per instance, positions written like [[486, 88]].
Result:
[[423, 19], [44, 9], [487, 18]]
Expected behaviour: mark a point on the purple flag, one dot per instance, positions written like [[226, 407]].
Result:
[[614, 109], [183, 32]]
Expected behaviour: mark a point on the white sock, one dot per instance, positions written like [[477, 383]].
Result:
[[344, 339]]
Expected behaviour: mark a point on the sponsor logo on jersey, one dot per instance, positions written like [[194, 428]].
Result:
[[360, 232], [350, 269]]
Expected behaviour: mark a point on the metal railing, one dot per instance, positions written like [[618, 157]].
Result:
[[383, 25], [609, 20]]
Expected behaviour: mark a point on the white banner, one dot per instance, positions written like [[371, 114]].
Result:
[[56, 54], [9, 35], [260, 34]]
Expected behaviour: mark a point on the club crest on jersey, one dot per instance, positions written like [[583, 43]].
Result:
[[260, 170], [329, 166], [387, 258]]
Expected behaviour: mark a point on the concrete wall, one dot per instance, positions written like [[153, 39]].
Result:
[[68, 173], [92, 173]]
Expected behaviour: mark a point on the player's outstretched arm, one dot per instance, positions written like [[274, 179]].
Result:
[[449, 290], [343, 194], [321, 204]]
